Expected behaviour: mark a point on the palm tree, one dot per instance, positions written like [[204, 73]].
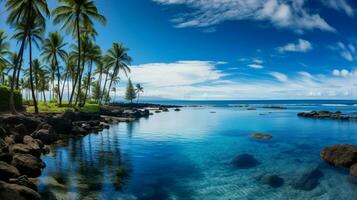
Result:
[[52, 51], [28, 14], [117, 59], [94, 56], [138, 89], [74, 15], [70, 71], [4, 51]]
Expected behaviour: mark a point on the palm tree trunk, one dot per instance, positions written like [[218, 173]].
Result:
[[105, 84], [18, 73], [44, 96], [137, 100], [31, 79], [79, 59], [58, 81], [88, 83], [80, 79], [64, 82]]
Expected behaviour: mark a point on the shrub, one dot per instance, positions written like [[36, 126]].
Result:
[[5, 99]]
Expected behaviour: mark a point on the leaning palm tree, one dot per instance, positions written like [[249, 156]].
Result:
[[52, 52], [74, 15], [29, 14], [118, 60], [138, 89]]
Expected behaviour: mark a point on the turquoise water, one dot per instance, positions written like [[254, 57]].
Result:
[[187, 155]]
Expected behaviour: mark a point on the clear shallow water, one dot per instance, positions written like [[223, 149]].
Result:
[[186, 155]]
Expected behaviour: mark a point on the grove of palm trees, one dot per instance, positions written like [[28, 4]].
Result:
[[67, 74]]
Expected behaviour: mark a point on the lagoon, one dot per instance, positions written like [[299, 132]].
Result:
[[187, 155]]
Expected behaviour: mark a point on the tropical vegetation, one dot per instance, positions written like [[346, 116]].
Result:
[[62, 75]]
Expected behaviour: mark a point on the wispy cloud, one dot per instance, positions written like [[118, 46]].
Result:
[[340, 5], [279, 76], [300, 46], [346, 51], [256, 66], [280, 13]]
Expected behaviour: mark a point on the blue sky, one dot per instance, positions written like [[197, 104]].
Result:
[[235, 49]]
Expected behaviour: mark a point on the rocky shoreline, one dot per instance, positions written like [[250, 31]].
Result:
[[338, 115], [24, 138]]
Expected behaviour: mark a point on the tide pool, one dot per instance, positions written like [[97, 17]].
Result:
[[187, 155]]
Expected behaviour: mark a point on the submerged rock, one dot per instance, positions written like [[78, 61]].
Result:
[[261, 136], [353, 170], [17, 192], [272, 180], [28, 164], [308, 180], [340, 155], [245, 161], [8, 171], [177, 109]]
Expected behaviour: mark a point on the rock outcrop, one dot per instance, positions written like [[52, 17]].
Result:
[[244, 161]]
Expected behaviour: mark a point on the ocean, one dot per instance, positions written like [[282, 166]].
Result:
[[188, 155]]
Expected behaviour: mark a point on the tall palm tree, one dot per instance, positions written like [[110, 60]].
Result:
[[138, 89], [52, 52], [70, 64], [118, 60], [76, 15], [4, 51], [33, 33], [29, 14]]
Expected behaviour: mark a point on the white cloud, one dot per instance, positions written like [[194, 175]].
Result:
[[202, 80], [340, 5], [300, 46], [279, 76], [256, 66], [281, 13]]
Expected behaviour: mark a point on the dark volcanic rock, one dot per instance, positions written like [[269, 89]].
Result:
[[78, 130], [327, 115], [61, 125], [28, 164], [272, 180], [8, 171], [177, 109], [17, 192], [24, 181], [261, 136], [25, 149], [340, 155], [30, 123], [245, 161], [308, 180], [45, 133]]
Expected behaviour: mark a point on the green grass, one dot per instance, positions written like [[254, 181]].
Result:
[[53, 107]]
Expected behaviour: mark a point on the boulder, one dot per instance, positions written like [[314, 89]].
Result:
[[10, 191], [261, 136], [308, 180], [245, 161], [61, 125], [45, 133], [33, 143], [8, 171], [30, 123], [21, 129], [25, 149], [9, 140], [6, 157], [78, 130], [177, 109], [353, 170], [24, 181], [340, 155], [272, 180], [28, 164]]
